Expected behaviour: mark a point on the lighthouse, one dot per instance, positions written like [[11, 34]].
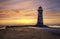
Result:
[[40, 17]]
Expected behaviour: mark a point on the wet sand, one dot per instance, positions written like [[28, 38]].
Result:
[[27, 33]]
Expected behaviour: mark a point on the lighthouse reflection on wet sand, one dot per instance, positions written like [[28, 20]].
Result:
[[40, 17]]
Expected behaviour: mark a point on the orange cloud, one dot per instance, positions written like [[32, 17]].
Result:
[[18, 17], [52, 17]]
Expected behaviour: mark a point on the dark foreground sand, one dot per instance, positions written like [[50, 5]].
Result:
[[27, 33]]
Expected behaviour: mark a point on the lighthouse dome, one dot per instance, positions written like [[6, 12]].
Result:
[[40, 8]]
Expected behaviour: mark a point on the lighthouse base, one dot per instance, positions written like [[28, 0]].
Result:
[[41, 25]]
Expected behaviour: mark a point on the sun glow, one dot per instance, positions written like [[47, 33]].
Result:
[[28, 21], [19, 22], [18, 17]]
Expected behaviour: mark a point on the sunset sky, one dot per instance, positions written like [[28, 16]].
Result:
[[24, 12]]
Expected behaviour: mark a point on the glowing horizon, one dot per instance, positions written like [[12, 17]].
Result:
[[25, 11]]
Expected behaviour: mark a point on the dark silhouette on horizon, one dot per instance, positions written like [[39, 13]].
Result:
[[40, 18]]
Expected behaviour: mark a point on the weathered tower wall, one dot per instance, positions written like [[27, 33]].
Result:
[[40, 17]]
